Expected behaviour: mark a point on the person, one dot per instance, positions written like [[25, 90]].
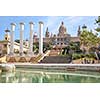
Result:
[[93, 61], [85, 61]]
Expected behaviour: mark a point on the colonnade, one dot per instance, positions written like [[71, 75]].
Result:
[[30, 51]]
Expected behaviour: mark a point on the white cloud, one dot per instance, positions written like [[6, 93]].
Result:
[[71, 23], [52, 23], [76, 19]]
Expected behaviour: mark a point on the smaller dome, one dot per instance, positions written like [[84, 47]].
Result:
[[84, 26], [7, 30], [35, 34], [54, 35]]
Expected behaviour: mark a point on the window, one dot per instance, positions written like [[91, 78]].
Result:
[[61, 43], [65, 39], [5, 45], [5, 38], [61, 39], [65, 43], [58, 43]]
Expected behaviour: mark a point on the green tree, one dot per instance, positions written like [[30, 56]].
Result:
[[89, 39], [75, 46], [17, 40], [98, 23]]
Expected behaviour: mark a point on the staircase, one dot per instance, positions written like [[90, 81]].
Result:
[[56, 59], [54, 53]]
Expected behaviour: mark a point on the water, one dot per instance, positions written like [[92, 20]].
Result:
[[39, 76]]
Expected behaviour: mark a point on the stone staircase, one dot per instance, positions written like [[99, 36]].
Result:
[[56, 59], [54, 53]]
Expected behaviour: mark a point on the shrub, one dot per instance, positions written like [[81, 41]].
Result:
[[78, 56], [90, 55]]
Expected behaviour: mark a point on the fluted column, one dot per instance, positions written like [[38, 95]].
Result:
[[40, 37], [12, 38], [21, 38], [31, 39]]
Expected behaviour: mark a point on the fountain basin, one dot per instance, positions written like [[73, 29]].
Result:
[[7, 67]]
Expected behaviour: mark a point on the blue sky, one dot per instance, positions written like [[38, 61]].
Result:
[[52, 22]]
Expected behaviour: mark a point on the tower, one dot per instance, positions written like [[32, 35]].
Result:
[[84, 27], [47, 33], [7, 35], [79, 31]]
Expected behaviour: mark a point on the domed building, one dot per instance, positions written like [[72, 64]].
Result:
[[62, 39], [62, 29]]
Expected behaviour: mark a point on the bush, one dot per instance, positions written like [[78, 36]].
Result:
[[91, 55], [77, 56]]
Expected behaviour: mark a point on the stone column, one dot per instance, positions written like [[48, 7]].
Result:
[[31, 39], [40, 37], [21, 38], [12, 39]]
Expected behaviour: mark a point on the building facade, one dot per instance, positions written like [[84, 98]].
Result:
[[61, 39], [5, 45]]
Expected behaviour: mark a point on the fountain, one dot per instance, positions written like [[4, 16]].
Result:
[[7, 67]]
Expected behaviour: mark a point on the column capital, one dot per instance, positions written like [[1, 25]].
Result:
[[31, 23], [13, 24], [7, 30], [22, 23], [40, 22]]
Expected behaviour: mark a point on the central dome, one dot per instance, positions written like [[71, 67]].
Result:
[[62, 29]]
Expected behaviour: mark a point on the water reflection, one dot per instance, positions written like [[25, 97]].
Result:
[[45, 77], [7, 77]]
